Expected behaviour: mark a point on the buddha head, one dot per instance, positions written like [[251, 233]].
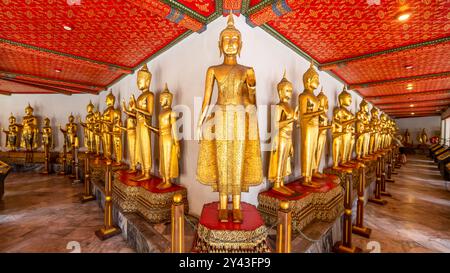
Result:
[[364, 106], [323, 100], [47, 122], [12, 119], [90, 107], [374, 112], [71, 118], [110, 99], [284, 88], [29, 110], [345, 99], [230, 42], [165, 98], [311, 78], [144, 78], [383, 117]]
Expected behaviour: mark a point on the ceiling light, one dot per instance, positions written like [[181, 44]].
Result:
[[58, 70], [66, 27], [413, 113], [409, 86], [408, 66], [403, 16], [411, 105]]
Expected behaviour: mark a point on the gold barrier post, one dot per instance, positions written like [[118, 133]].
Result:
[[64, 160], [47, 160], [284, 228], [345, 246], [390, 167], [72, 162], [358, 227], [87, 196], [76, 166], [377, 198], [109, 230], [383, 177], [177, 224]]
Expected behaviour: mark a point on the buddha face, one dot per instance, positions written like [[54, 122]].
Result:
[[110, 100], [312, 83], [143, 80], [71, 119], [345, 100], [12, 120], [230, 43], [374, 113], [90, 108], [47, 122], [28, 111], [285, 92], [165, 100]]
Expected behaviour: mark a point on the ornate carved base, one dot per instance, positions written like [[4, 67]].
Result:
[[144, 197], [322, 202], [215, 236], [98, 170]]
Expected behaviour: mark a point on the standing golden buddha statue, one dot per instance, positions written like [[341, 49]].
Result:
[[12, 135], [116, 134], [131, 131], [406, 138], [169, 148], [383, 131], [230, 157], [107, 120], [308, 117], [97, 129], [375, 133], [30, 130], [47, 134], [323, 127], [422, 137], [144, 112], [88, 127], [342, 130], [362, 130], [71, 133], [282, 148]]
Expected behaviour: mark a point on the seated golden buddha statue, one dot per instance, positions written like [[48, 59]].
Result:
[[30, 130]]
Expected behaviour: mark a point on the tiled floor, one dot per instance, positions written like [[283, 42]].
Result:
[[43, 214], [417, 216]]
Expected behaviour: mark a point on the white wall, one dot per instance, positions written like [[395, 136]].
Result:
[[184, 67], [431, 124]]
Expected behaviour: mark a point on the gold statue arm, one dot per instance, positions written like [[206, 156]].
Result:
[[126, 110], [251, 85], [281, 123], [173, 122], [154, 129], [209, 86]]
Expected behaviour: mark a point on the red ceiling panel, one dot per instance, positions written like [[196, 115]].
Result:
[[203, 7], [13, 87], [113, 31], [334, 30], [39, 63], [393, 88], [411, 98], [424, 60], [411, 105]]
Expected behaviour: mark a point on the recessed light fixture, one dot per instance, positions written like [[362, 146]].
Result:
[[66, 27], [57, 70], [408, 66], [403, 16], [411, 105], [413, 113], [409, 86]]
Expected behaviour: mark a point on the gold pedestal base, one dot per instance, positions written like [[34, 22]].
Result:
[[340, 248], [361, 231], [106, 233], [378, 201], [87, 198], [385, 193]]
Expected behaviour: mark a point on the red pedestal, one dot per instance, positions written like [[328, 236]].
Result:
[[215, 236]]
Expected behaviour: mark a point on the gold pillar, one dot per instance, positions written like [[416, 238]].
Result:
[[47, 160], [87, 196], [345, 246], [383, 177], [390, 166], [358, 227], [64, 159], [108, 230], [75, 165], [284, 228], [377, 198], [178, 224]]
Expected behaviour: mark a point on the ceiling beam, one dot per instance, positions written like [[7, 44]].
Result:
[[343, 62], [95, 63], [63, 82], [52, 89], [5, 93], [434, 100], [396, 80], [416, 116], [413, 109], [443, 92], [46, 85], [268, 10]]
